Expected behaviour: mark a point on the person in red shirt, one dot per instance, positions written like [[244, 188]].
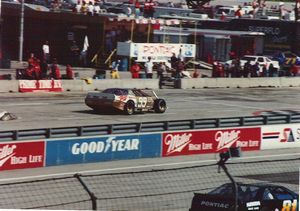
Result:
[[137, 7], [55, 71], [135, 69], [34, 70], [151, 9], [69, 72], [294, 70], [147, 9], [238, 13]]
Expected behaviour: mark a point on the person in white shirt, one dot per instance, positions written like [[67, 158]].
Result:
[[78, 7], [46, 52], [97, 9], [90, 9], [149, 68]]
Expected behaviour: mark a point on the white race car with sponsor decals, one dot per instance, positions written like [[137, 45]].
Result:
[[127, 100]]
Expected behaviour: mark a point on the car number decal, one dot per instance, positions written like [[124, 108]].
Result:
[[141, 102], [289, 205]]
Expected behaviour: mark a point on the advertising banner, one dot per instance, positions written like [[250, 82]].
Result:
[[40, 86], [21, 155], [156, 51], [104, 148], [210, 141], [280, 136]]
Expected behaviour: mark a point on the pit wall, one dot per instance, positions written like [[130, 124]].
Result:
[[191, 83], [80, 150], [198, 83]]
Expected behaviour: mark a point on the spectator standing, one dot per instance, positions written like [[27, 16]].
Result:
[[84, 8], [34, 70], [69, 72], [137, 7], [273, 72], [46, 51], [184, 5], [173, 61], [97, 9], [44, 69], [55, 71], [246, 69], [162, 68], [255, 70], [149, 68], [84, 52], [90, 9], [108, 42], [170, 4], [282, 11], [180, 55], [238, 13], [78, 7], [147, 9], [74, 53], [135, 69], [294, 70], [151, 9], [128, 11], [196, 74], [179, 69]]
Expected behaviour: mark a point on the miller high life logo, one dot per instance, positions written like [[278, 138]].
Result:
[[226, 139], [176, 143], [6, 153]]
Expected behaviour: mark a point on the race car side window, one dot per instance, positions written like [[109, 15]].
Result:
[[120, 92], [267, 195], [281, 194]]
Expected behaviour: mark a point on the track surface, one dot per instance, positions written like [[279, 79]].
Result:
[[48, 110], [43, 110]]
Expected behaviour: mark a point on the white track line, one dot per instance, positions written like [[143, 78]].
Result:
[[141, 166]]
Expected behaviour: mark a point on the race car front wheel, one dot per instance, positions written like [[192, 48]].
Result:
[[129, 107], [160, 106]]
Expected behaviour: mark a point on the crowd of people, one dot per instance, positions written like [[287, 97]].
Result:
[[237, 70], [44, 68]]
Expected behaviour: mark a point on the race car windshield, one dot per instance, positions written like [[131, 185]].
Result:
[[246, 192], [117, 92]]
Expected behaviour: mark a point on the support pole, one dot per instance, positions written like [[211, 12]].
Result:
[[148, 33], [21, 32], [221, 164], [91, 194], [132, 30]]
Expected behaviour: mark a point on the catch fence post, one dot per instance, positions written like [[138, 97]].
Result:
[[91, 194]]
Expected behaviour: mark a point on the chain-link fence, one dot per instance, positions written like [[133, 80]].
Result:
[[165, 189]]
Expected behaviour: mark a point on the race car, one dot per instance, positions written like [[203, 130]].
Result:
[[128, 101], [287, 58], [259, 197], [261, 60]]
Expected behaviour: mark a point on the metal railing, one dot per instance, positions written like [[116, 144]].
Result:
[[144, 127]]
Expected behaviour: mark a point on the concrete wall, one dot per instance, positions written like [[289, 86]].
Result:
[[9, 86], [199, 83], [192, 83], [82, 85]]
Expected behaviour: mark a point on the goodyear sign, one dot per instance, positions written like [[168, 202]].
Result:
[[97, 149]]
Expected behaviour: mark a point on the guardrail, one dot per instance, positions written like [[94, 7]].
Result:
[[95, 130]]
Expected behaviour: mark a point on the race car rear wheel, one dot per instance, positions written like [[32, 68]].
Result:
[[160, 106], [129, 107]]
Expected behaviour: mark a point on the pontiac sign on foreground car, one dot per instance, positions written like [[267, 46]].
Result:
[[259, 197], [127, 100]]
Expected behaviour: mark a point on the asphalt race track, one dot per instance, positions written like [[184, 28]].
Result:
[[45, 110], [48, 110]]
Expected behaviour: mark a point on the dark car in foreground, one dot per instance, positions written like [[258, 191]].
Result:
[[128, 101], [259, 197]]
